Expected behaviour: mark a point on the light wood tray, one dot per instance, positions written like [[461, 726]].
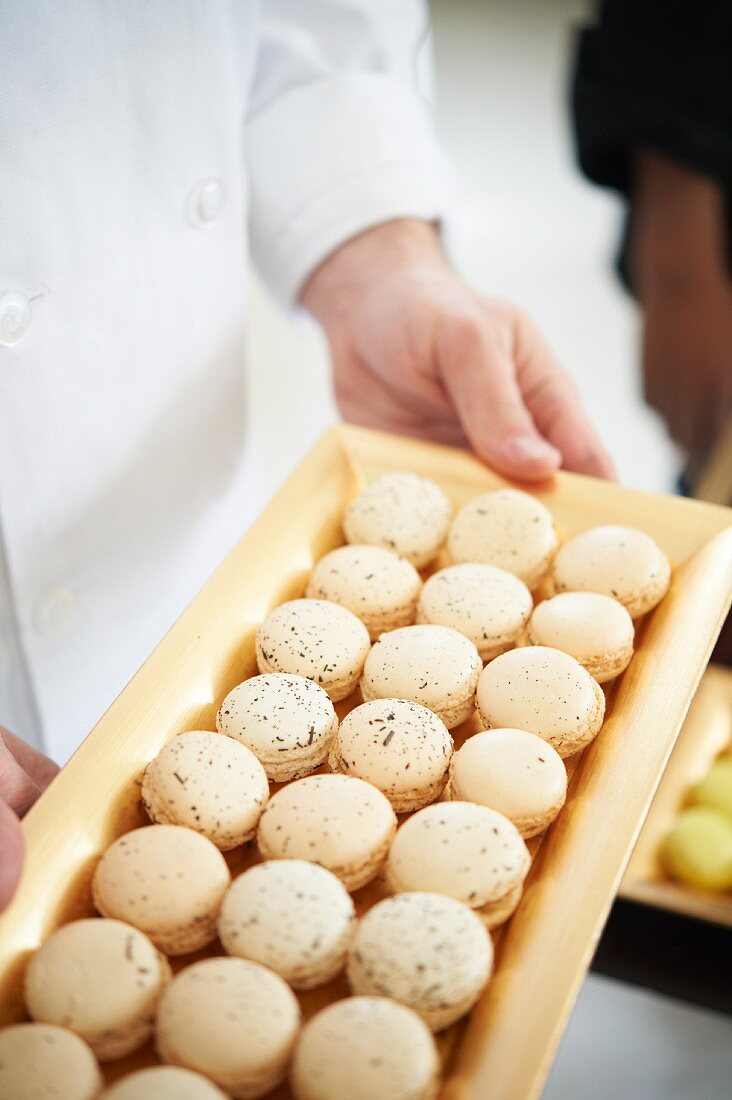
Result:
[[506, 1047], [706, 732]]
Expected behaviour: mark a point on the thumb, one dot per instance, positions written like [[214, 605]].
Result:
[[12, 850], [480, 379]]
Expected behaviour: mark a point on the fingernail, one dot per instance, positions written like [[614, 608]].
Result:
[[527, 448]]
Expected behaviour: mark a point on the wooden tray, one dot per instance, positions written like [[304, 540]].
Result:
[[707, 731], [506, 1047]]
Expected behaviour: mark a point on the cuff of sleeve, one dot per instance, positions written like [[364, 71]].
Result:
[[331, 160]]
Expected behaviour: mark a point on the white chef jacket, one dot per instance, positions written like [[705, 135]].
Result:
[[145, 146]]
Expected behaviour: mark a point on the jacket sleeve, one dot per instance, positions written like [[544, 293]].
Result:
[[338, 138], [656, 74]]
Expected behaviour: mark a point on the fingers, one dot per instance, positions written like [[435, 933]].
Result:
[[18, 787], [38, 767], [555, 407], [12, 850], [478, 373]]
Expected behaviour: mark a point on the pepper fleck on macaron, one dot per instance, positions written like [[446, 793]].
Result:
[[402, 512], [400, 747], [322, 641], [543, 691], [434, 666], [288, 722], [208, 783], [166, 880], [101, 979]]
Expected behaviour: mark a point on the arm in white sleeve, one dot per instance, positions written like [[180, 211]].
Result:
[[338, 138]]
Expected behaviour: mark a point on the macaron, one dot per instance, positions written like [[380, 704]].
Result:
[[617, 561], [365, 1048], [208, 783], [715, 789], [167, 881], [465, 851], [42, 1060], [374, 583], [513, 772], [232, 1020], [101, 979], [544, 691], [401, 512], [427, 951], [434, 666], [288, 722], [698, 849], [488, 605], [400, 747], [322, 641], [506, 528], [293, 916], [338, 821], [594, 629], [163, 1083]]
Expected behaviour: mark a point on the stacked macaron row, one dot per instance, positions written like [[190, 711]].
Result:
[[427, 652]]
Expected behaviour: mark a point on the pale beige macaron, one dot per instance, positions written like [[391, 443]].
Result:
[[101, 979], [400, 747], [365, 1048], [544, 691], [322, 641], [374, 583], [208, 783], [401, 512], [45, 1062], [163, 1083], [594, 629], [293, 916], [428, 951], [514, 772], [507, 528], [466, 851], [617, 561], [338, 821], [288, 722], [232, 1020], [434, 666], [490, 606], [166, 880]]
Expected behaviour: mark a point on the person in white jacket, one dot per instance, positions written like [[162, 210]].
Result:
[[147, 149]]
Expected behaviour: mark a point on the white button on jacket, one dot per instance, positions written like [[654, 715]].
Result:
[[143, 147]]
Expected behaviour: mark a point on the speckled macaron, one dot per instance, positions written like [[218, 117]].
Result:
[[233, 1021], [402, 512], [617, 561], [338, 821], [594, 629], [163, 1083], [434, 666], [428, 951], [468, 852], [544, 691], [322, 641], [400, 747], [293, 916], [167, 881], [365, 1048], [288, 722], [374, 583], [514, 772], [40, 1061], [208, 783], [506, 528], [101, 979], [488, 605]]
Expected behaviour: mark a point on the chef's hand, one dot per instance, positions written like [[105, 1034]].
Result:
[[24, 773], [415, 350], [679, 270]]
